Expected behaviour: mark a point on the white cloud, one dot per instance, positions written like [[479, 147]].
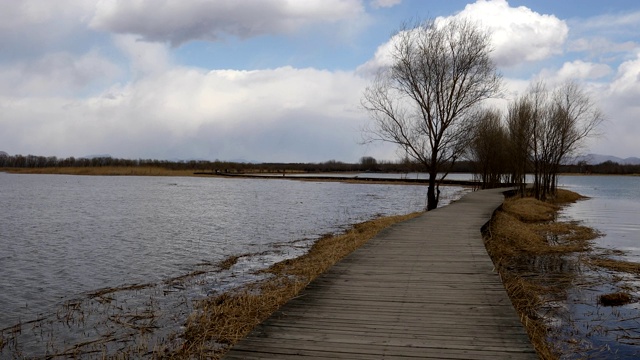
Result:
[[282, 114], [178, 22], [144, 57], [625, 22], [382, 58], [518, 34], [626, 86], [376, 4], [608, 37], [596, 46], [619, 102], [583, 70]]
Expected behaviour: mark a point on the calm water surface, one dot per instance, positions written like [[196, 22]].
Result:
[[588, 329], [613, 208], [64, 237]]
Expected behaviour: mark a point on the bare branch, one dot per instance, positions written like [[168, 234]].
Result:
[[423, 102]]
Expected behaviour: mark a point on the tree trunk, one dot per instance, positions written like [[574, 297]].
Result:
[[432, 198]]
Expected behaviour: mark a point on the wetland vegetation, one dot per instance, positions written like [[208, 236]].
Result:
[[562, 286]]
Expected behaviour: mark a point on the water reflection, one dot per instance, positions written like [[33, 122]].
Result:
[[613, 209]]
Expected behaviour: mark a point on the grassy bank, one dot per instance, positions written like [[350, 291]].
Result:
[[570, 295], [522, 231]]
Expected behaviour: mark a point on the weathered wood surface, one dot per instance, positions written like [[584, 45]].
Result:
[[425, 288]]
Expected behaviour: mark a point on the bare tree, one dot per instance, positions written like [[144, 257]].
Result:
[[550, 127], [575, 118], [489, 149], [519, 130], [424, 101], [368, 163]]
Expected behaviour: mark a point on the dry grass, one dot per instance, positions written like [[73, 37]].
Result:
[[511, 237], [223, 320], [563, 196], [616, 265], [524, 228], [110, 290], [227, 263], [529, 209], [615, 299]]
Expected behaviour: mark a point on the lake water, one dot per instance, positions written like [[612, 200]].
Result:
[[613, 208], [63, 239], [69, 242], [583, 326]]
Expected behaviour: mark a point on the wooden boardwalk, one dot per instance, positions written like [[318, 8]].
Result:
[[421, 289]]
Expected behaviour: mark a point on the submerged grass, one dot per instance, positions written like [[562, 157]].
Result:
[[615, 299], [222, 320], [615, 265], [524, 229]]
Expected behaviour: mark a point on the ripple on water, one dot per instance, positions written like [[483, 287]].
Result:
[[64, 237]]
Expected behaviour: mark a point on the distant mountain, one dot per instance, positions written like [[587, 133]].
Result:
[[2, 153], [595, 159]]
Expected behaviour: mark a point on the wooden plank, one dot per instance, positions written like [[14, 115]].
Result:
[[425, 288]]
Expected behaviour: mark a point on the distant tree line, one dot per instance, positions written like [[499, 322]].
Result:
[[608, 167], [366, 164], [540, 131]]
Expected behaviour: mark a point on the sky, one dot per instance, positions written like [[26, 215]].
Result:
[[275, 80]]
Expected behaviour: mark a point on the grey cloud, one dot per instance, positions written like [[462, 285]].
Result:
[[376, 4], [30, 28], [178, 22], [57, 74], [283, 114], [296, 137]]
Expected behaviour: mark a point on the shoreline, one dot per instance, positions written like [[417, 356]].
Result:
[[573, 297], [163, 172], [279, 283], [533, 291]]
